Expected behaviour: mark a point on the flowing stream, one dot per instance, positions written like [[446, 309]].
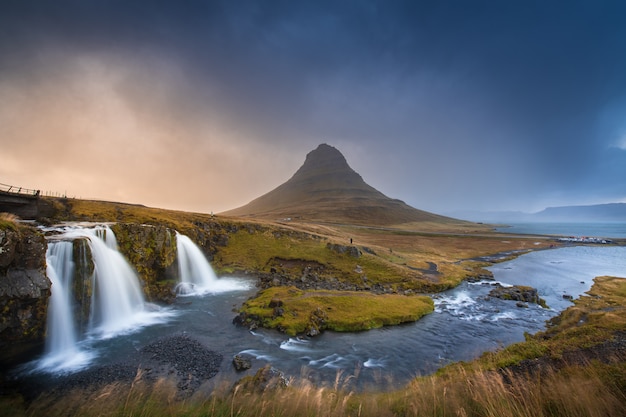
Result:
[[465, 323]]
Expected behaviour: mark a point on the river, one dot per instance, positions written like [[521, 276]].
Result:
[[465, 323]]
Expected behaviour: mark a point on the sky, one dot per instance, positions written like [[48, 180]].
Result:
[[205, 105]]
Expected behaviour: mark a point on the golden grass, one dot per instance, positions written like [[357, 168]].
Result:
[[574, 391], [9, 221]]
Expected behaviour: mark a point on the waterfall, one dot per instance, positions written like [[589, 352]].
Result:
[[62, 352], [117, 296], [196, 275], [117, 304]]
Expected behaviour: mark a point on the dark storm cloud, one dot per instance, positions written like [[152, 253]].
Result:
[[437, 103]]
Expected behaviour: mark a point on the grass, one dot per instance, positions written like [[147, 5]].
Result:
[[342, 311], [575, 391], [9, 221]]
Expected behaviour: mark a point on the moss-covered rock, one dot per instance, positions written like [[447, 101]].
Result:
[[151, 250]]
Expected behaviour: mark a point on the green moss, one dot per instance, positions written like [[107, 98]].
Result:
[[295, 311], [152, 253], [289, 253]]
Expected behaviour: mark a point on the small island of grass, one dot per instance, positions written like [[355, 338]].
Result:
[[294, 311]]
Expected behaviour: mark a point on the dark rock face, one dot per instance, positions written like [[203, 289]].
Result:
[[24, 290], [82, 283]]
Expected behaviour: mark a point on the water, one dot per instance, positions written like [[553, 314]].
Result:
[[598, 229], [564, 271], [196, 275], [465, 323]]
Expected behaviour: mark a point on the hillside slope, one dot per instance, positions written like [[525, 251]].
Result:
[[326, 189]]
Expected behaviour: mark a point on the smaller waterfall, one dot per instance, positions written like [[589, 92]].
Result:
[[196, 275]]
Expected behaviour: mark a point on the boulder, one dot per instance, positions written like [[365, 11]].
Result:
[[519, 293], [352, 251], [241, 364]]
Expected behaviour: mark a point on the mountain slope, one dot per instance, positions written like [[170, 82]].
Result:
[[326, 189]]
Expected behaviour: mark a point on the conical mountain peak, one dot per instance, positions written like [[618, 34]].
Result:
[[326, 189], [324, 157]]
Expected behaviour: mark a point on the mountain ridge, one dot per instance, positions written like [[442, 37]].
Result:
[[608, 212]]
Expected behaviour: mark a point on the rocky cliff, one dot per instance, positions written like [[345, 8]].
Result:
[[24, 290]]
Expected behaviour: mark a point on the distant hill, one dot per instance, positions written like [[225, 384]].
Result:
[[326, 189], [598, 212], [612, 212]]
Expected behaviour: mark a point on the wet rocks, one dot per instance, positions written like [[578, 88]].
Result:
[[186, 358], [241, 363], [520, 293]]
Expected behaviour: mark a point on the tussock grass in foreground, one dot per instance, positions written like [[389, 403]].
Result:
[[8, 221], [589, 390]]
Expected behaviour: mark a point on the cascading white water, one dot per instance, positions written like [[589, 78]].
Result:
[[117, 296], [117, 302], [196, 275], [62, 352]]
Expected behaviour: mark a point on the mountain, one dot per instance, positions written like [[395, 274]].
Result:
[[598, 212], [612, 212], [326, 189]]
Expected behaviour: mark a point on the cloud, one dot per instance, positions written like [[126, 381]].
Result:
[[207, 105]]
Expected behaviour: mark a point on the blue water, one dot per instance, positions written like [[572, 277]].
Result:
[[600, 229]]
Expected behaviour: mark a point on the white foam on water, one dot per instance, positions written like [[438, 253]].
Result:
[[296, 345], [374, 363]]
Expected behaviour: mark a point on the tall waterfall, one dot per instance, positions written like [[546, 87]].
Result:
[[196, 275], [62, 351], [116, 305]]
